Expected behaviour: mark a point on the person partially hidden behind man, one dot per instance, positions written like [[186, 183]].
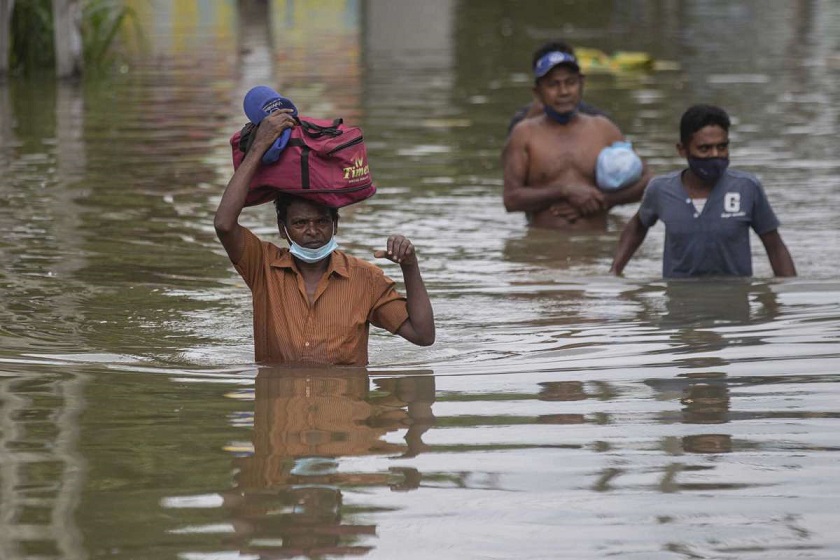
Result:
[[549, 160], [311, 302], [708, 209]]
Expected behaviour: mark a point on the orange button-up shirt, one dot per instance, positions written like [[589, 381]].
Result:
[[333, 329]]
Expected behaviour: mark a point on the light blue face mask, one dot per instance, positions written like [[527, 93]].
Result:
[[312, 255]]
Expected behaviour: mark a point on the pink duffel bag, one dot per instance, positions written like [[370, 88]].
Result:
[[324, 161]]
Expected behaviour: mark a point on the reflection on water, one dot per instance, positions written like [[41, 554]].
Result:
[[560, 409], [41, 468], [289, 493]]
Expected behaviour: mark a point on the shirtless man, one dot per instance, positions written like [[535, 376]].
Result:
[[549, 160]]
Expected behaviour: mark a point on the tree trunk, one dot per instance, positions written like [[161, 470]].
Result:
[[6, 7], [67, 19]]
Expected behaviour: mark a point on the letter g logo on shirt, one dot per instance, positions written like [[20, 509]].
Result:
[[732, 202]]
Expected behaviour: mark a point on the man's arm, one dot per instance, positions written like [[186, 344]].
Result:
[[519, 197], [419, 328], [627, 195], [226, 222], [631, 238], [778, 253]]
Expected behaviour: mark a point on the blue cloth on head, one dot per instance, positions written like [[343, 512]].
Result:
[[261, 101], [552, 59], [618, 166]]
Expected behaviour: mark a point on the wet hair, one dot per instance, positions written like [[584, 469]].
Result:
[[282, 203], [551, 46], [701, 116]]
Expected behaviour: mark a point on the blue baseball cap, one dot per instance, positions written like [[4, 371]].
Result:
[[260, 101], [552, 59]]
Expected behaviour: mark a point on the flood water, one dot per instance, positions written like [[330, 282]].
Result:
[[562, 412]]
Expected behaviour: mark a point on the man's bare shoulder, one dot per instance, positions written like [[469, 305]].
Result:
[[526, 126], [597, 121], [530, 129], [604, 126], [522, 136]]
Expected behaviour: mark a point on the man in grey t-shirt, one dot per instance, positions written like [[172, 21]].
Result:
[[707, 209]]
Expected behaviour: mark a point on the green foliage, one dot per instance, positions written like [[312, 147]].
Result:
[[32, 44], [101, 23], [32, 36]]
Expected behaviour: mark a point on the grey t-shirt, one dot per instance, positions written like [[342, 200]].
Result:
[[716, 241]]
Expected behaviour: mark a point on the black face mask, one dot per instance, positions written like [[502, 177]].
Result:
[[708, 170]]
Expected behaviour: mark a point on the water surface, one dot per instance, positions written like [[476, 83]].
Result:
[[562, 412]]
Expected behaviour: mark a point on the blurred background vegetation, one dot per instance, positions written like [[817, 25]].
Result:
[[32, 47]]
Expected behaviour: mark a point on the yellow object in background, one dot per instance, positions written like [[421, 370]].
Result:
[[596, 61], [631, 60]]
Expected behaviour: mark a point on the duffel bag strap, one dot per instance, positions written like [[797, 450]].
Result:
[[316, 131], [247, 136]]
